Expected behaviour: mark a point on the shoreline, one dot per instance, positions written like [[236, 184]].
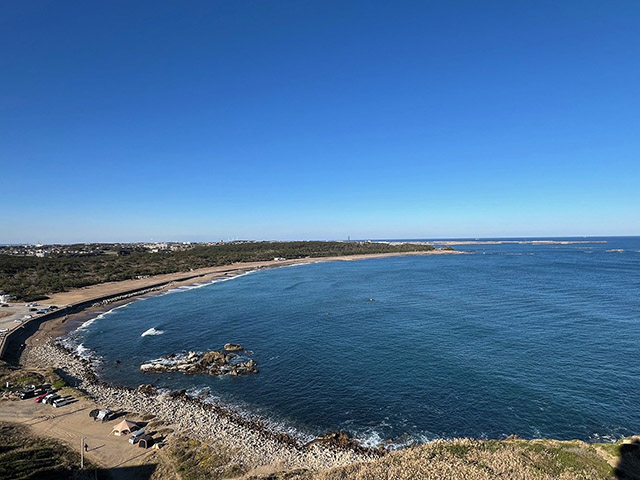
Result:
[[259, 442], [76, 300], [256, 443]]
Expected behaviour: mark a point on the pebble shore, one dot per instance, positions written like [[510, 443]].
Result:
[[251, 446]]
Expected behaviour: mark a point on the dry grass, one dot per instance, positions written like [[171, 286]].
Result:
[[466, 459], [23, 456], [194, 460]]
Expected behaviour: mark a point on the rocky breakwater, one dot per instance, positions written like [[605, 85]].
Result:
[[213, 362]]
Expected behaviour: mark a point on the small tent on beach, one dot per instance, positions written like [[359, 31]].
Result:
[[145, 441], [124, 427]]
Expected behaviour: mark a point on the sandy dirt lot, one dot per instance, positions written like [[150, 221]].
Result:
[[71, 422], [16, 311]]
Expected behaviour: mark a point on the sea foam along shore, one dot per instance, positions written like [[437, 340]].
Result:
[[253, 446]]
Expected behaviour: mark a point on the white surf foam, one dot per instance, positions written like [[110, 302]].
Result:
[[152, 331], [102, 315], [186, 288]]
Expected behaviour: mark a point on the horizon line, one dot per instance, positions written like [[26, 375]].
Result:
[[426, 239]]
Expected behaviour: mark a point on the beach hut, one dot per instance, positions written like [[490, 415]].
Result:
[[125, 427]]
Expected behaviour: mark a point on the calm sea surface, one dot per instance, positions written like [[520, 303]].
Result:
[[534, 340]]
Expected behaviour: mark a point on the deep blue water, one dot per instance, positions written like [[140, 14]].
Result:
[[534, 340]]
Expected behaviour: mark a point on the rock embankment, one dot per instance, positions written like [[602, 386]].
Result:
[[214, 362], [252, 444], [125, 296]]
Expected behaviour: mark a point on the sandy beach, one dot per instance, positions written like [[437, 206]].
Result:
[[204, 275]]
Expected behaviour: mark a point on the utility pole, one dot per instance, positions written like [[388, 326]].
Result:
[[82, 453]]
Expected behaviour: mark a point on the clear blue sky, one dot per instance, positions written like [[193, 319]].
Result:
[[128, 121]]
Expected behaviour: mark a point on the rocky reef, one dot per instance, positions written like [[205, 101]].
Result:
[[213, 362]]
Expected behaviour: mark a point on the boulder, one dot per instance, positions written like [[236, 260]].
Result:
[[148, 390], [233, 347], [213, 362], [214, 358]]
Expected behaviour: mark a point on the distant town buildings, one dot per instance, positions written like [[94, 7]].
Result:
[[98, 249]]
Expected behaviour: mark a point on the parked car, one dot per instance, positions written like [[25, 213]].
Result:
[[136, 436], [62, 401], [40, 397], [50, 398], [27, 394], [42, 390]]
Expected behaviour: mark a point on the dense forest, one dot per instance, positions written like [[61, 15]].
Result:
[[31, 278]]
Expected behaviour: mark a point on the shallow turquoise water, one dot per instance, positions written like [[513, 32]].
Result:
[[534, 340]]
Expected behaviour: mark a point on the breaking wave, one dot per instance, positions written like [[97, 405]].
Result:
[[152, 331]]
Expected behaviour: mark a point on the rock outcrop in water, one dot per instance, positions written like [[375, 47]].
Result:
[[233, 347], [213, 362]]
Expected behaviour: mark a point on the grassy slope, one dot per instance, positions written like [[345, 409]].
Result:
[[194, 460], [23, 456], [466, 459]]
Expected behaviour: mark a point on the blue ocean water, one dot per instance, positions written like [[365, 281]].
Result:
[[534, 340]]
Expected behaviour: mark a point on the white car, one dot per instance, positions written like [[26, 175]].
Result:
[[136, 436], [50, 398], [62, 401]]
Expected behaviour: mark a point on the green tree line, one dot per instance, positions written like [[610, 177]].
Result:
[[32, 278]]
